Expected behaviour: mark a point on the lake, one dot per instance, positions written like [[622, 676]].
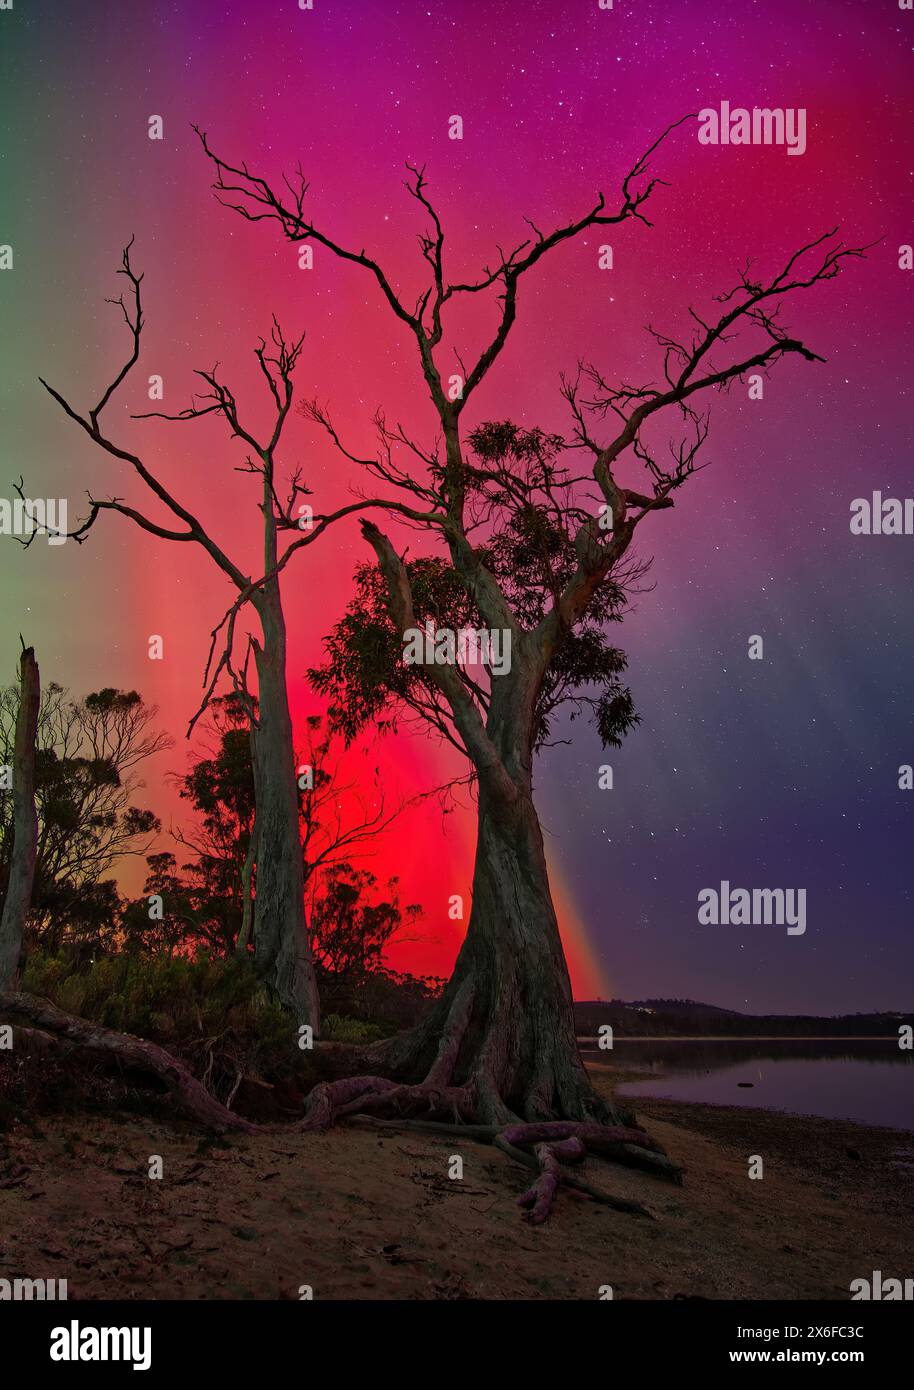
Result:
[[869, 1080]]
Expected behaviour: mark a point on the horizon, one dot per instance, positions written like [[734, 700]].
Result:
[[633, 1003]]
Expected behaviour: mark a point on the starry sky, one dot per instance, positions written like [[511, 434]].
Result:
[[773, 773]]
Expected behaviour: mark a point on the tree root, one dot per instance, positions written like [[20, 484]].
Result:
[[435, 1105], [554, 1143], [336, 1100], [633, 1147], [191, 1098], [539, 1199]]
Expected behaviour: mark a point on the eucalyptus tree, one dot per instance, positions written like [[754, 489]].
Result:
[[287, 524], [528, 546], [500, 1043]]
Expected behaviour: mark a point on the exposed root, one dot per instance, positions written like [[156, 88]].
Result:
[[572, 1180], [336, 1100], [191, 1098], [623, 1144], [549, 1147], [477, 1110], [636, 1156], [569, 1150], [483, 1134], [606, 1139], [474, 1110], [567, 1141], [326, 1099], [538, 1199]]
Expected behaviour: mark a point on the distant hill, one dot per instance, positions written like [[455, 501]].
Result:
[[686, 1008], [688, 1017]]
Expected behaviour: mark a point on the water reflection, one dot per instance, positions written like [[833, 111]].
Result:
[[870, 1080]]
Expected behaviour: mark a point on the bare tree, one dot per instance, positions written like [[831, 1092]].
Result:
[[282, 947], [501, 1042], [25, 822]]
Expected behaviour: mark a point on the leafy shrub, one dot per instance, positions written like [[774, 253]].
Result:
[[340, 1028], [180, 1003]]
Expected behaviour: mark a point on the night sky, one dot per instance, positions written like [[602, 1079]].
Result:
[[773, 773]]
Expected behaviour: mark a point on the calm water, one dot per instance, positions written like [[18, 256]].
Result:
[[869, 1081]]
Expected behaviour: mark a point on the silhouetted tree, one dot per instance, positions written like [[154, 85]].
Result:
[[283, 950], [87, 776], [502, 1037], [205, 902], [499, 1047], [355, 919]]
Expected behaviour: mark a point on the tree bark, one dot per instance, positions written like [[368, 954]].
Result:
[[25, 823], [506, 1018], [247, 874], [505, 1023], [517, 1040], [282, 948]]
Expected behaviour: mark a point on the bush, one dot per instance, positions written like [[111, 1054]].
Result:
[[339, 1028], [174, 1001], [215, 1015]]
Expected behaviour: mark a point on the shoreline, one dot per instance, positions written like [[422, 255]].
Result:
[[616, 1072], [737, 1037], [639, 1103], [362, 1214]]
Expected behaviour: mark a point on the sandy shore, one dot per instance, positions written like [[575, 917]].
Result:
[[362, 1214]]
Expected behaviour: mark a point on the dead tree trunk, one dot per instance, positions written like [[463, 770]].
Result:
[[282, 948], [25, 823]]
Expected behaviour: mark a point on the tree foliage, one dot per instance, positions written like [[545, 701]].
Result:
[[354, 916], [89, 756], [519, 492]]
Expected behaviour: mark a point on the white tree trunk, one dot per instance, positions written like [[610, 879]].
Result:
[[282, 947]]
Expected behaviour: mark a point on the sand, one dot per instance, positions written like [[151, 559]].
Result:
[[363, 1214]]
